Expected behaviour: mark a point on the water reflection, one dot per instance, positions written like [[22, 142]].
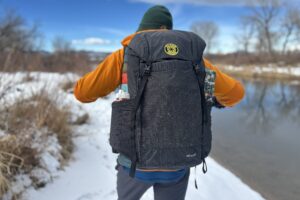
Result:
[[267, 104], [259, 139]]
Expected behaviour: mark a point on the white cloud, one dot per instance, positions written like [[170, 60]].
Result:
[[91, 41], [114, 31]]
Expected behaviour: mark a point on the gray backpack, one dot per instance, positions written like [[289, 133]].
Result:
[[166, 122]]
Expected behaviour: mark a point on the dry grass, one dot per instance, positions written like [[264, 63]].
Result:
[[56, 120], [27, 78], [18, 154], [3, 180], [68, 86], [38, 112], [81, 119], [8, 162], [21, 122], [71, 61]]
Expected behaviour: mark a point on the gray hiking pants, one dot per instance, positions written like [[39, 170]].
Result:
[[132, 189]]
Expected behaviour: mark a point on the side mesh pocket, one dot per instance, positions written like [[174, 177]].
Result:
[[122, 136]]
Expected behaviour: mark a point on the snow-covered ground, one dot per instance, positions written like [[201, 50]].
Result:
[[286, 71], [91, 174]]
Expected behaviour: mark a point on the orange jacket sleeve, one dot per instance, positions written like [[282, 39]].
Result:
[[102, 81], [228, 91]]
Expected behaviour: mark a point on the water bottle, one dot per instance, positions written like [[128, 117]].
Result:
[[122, 95]]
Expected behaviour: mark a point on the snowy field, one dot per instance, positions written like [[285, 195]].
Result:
[[91, 174]]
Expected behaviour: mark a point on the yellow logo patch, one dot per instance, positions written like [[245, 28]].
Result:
[[171, 49]]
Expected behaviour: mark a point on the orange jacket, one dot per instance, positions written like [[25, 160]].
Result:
[[107, 77]]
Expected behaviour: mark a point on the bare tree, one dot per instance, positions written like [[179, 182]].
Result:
[[290, 26], [15, 37], [65, 58], [208, 30], [264, 14], [247, 34], [14, 34], [60, 45]]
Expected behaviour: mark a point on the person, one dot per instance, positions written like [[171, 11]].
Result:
[[168, 184]]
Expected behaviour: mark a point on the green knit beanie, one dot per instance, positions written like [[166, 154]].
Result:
[[155, 17]]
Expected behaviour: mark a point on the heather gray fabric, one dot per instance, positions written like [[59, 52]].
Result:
[[129, 188], [169, 130]]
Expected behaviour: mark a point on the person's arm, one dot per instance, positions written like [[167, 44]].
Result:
[[228, 91], [102, 81]]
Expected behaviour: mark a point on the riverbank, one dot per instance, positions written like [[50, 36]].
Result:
[[268, 71], [258, 140]]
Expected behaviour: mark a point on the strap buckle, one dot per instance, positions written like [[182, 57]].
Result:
[[147, 69], [197, 69]]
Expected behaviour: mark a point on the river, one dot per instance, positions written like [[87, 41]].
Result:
[[259, 140]]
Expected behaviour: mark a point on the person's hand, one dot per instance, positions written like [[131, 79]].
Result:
[[216, 104]]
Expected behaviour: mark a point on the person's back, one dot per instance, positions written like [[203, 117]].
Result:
[[164, 128]]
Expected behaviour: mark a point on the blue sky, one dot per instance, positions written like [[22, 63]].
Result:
[[100, 25]]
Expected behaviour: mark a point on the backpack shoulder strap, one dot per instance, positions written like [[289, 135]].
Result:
[[140, 91]]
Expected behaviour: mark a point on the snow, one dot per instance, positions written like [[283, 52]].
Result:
[[17, 188], [234, 68], [292, 71], [41, 176], [24, 85], [296, 71], [91, 175], [51, 155], [49, 162], [2, 133]]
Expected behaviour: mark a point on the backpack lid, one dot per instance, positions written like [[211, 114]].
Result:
[[163, 45]]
